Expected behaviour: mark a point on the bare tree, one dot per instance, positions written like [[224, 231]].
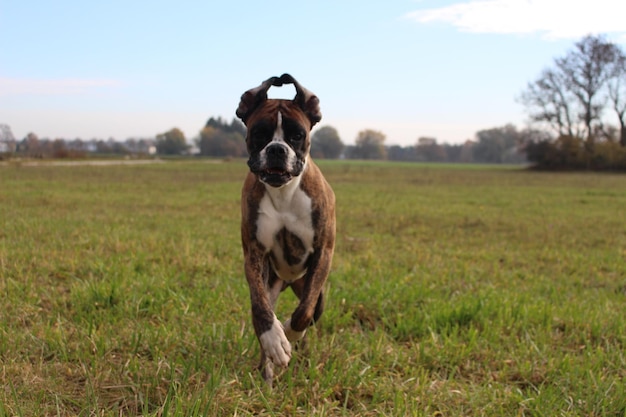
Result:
[[549, 102], [617, 96], [586, 70], [571, 96], [5, 133]]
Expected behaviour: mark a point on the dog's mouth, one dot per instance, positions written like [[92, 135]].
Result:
[[275, 171], [275, 176]]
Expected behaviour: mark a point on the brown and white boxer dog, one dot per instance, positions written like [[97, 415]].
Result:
[[288, 217]]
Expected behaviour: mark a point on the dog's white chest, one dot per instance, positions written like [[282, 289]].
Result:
[[285, 229]]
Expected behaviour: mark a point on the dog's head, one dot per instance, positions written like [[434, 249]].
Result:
[[278, 130]]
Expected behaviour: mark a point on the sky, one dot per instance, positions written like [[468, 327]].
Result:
[[407, 68]]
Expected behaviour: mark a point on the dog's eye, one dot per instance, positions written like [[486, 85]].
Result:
[[261, 135], [297, 137]]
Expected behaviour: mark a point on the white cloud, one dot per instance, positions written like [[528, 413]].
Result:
[[63, 86], [553, 19]]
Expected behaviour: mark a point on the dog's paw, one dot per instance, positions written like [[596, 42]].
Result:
[[291, 334], [275, 344]]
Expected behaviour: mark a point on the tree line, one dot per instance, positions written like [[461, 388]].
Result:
[[577, 120], [223, 139], [220, 138], [576, 109], [31, 146]]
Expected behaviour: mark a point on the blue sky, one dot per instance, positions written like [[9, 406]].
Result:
[[442, 69]]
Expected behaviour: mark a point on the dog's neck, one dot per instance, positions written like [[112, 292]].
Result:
[[281, 197]]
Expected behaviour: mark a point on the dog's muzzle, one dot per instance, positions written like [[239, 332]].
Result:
[[274, 165]]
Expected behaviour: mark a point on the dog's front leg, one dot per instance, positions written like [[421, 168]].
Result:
[[310, 293], [275, 348]]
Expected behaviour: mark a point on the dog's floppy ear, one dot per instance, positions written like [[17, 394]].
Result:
[[306, 100], [252, 98]]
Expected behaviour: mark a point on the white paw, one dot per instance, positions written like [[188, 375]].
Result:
[[275, 344], [291, 334]]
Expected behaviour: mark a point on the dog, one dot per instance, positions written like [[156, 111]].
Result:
[[287, 217]]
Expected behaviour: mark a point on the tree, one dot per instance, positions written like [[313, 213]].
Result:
[[235, 125], [428, 150], [7, 140], [369, 144], [587, 70], [617, 95], [325, 143], [222, 139], [171, 142], [401, 153], [31, 146], [6, 135], [498, 145], [570, 97], [215, 141], [549, 101]]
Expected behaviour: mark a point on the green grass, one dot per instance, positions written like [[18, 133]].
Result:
[[455, 290]]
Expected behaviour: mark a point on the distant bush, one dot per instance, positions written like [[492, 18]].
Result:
[[573, 153]]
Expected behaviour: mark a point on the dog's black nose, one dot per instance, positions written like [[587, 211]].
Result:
[[276, 150]]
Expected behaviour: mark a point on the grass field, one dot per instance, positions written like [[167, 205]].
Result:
[[455, 290]]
